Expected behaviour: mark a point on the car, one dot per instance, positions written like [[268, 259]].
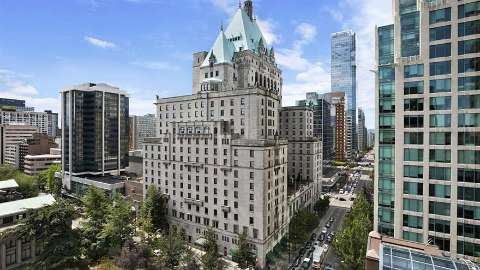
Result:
[[342, 199], [321, 237], [341, 191], [329, 238], [316, 243], [331, 219], [308, 246], [313, 237], [328, 267], [327, 225], [301, 252], [297, 262], [325, 230]]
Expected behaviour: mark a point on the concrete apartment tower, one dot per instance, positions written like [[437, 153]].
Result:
[[94, 130], [427, 141], [217, 155]]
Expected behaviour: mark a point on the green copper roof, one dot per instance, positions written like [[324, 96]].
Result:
[[242, 32]]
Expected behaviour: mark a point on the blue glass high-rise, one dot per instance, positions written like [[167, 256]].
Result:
[[344, 79]]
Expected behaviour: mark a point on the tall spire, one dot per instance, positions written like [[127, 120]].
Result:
[[248, 6]]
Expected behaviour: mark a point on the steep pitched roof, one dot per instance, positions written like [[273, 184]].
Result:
[[242, 32], [222, 50]]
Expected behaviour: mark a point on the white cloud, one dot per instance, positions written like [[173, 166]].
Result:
[[335, 13], [228, 6], [311, 75], [157, 65], [100, 42], [138, 106], [15, 86], [267, 27]]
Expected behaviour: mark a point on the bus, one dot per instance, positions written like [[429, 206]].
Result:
[[318, 255]]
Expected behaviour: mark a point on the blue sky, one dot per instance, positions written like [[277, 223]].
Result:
[[145, 46]]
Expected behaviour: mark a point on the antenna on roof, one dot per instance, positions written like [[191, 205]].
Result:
[[221, 26]]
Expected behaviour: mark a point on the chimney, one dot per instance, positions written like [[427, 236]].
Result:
[[248, 6]]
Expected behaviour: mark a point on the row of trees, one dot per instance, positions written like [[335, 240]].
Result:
[[30, 186], [351, 241], [109, 235]]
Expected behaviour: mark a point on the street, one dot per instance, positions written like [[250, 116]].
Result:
[[339, 205]]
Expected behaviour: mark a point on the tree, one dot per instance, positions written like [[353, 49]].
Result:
[[321, 205], [97, 207], [27, 185], [119, 227], [54, 185], [133, 256], [211, 259], [173, 249], [351, 241], [52, 225], [243, 254], [301, 225], [153, 213]]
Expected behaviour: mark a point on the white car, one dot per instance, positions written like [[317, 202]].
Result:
[[341, 191]]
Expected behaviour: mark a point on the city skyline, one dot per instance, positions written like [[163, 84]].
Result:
[[148, 58]]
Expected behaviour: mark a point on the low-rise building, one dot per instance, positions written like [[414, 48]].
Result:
[[10, 137], [34, 164], [16, 252], [79, 185]]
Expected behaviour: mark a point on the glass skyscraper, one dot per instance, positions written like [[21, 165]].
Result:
[[427, 170], [94, 129], [344, 79]]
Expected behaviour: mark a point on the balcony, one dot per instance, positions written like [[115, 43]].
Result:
[[193, 201], [226, 208]]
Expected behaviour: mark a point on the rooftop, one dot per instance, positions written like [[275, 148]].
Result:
[[42, 156], [8, 184], [20, 206], [102, 87]]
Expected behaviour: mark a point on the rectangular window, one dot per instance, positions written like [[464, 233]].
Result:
[[468, 248], [440, 120], [469, 120], [440, 68], [410, 34], [440, 138], [413, 205], [411, 71], [439, 208], [468, 157], [412, 188], [440, 15], [468, 83], [439, 191], [386, 121], [413, 104], [440, 155], [468, 46], [412, 221], [440, 103], [413, 154], [412, 171], [469, 65], [413, 236], [413, 121], [469, 102], [468, 10], [439, 33], [469, 194], [386, 89], [440, 50], [469, 28], [468, 175], [440, 86], [469, 138], [413, 88], [439, 173], [468, 212], [413, 138], [438, 225]]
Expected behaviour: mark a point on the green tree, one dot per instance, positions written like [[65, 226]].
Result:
[[27, 185], [301, 225], [321, 205], [54, 185], [211, 259], [42, 179], [97, 206], [153, 213], [133, 256], [243, 254], [119, 227], [351, 241], [52, 225], [173, 249]]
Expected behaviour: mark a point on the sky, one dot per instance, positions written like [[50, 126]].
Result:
[[145, 46]]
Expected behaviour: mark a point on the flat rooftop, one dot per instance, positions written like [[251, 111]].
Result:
[[20, 206], [8, 184], [107, 179]]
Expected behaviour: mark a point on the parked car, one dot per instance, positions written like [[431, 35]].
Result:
[[321, 237], [313, 237], [331, 219], [341, 191], [328, 267], [327, 225]]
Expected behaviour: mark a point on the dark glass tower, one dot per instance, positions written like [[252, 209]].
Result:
[[94, 129]]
